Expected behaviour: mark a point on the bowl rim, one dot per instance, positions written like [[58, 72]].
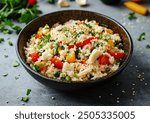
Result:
[[125, 63]]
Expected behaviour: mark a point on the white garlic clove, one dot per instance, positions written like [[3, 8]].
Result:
[[63, 3], [81, 2]]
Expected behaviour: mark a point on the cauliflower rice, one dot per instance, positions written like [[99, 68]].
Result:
[[75, 51]]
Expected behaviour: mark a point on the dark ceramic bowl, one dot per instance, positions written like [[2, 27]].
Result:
[[61, 17]]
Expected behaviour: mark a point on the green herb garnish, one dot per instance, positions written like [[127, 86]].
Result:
[[77, 52], [57, 73], [51, 1], [25, 99], [18, 10], [6, 56], [28, 91], [34, 67], [16, 64], [1, 40], [119, 61], [131, 16], [88, 25], [90, 76], [10, 43], [17, 29], [5, 74], [142, 36], [16, 77], [104, 25], [148, 46]]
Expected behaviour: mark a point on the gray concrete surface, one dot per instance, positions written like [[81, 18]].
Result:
[[131, 87]]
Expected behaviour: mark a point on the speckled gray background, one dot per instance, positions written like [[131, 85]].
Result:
[[131, 87]]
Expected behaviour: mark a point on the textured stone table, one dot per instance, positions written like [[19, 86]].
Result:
[[131, 87]]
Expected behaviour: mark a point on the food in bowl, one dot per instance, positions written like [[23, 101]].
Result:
[[77, 50]]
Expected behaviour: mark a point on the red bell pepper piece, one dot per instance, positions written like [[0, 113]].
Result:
[[57, 63], [42, 68], [34, 56], [117, 55], [104, 60], [81, 44]]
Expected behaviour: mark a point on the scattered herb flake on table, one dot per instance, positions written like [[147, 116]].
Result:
[[131, 16], [28, 92], [148, 46], [104, 25], [1, 40], [25, 99], [5, 74], [10, 43], [16, 64], [142, 36], [6, 56]]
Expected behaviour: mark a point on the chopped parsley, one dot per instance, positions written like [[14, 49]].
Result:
[[28, 92], [148, 46], [16, 77], [57, 73], [51, 1], [131, 16], [142, 36], [88, 25], [90, 76], [17, 29], [26, 98], [5, 74], [1, 40], [6, 56], [10, 43], [16, 64], [104, 25]]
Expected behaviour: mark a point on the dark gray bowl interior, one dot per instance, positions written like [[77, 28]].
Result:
[[61, 17]]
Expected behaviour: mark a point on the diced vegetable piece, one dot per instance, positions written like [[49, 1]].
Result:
[[111, 43], [83, 61], [104, 60], [57, 63], [38, 35], [34, 56], [117, 55], [43, 68], [136, 7], [71, 58], [81, 44], [109, 31], [67, 78], [39, 31]]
